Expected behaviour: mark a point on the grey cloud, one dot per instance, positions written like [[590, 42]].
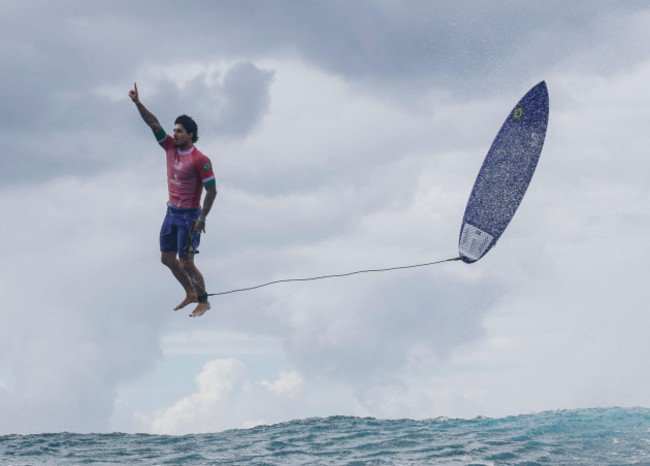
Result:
[[53, 60], [93, 318], [245, 98], [72, 353], [415, 44], [379, 327], [461, 45], [82, 133], [229, 108]]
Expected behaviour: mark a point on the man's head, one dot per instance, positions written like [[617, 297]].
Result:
[[186, 132]]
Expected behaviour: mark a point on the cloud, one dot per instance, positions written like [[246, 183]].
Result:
[[78, 318], [467, 48], [288, 384], [83, 131], [364, 330], [218, 405], [200, 412], [245, 99], [466, 45], [228, 102]]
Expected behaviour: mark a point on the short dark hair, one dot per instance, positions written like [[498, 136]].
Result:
[[190, 126]]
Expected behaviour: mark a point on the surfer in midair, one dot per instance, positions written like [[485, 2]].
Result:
[[188, 172]]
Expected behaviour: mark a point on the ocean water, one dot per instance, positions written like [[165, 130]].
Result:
[[613, 436]]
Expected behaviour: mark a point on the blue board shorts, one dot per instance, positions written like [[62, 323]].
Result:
[[177, 232]]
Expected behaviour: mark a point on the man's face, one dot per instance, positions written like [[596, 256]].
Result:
[[182, 139]]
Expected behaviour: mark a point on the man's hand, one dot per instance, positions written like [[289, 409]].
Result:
[[134, 93], [199, 226], [146, 115], [210, 195]]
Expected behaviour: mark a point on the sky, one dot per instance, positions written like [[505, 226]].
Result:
[[344, 136]]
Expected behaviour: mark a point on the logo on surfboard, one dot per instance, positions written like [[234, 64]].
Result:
[[518, 112]]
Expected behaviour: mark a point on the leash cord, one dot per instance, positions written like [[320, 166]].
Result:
[[338, 275]]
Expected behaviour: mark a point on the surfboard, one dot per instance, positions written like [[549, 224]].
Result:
[[505, 175]]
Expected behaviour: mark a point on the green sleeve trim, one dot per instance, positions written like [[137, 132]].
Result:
[[212, 181], [160, 135]]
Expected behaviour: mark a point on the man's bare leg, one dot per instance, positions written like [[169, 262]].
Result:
[[199, 286], [169, 259]]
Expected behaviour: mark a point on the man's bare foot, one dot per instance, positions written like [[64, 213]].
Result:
[[188, 300], [200, 309]]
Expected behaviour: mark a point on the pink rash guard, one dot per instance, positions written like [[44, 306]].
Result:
[[187, 172]]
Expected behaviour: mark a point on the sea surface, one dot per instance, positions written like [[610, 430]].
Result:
[[613, 436]]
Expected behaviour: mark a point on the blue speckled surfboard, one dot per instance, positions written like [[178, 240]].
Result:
[[504, 177]]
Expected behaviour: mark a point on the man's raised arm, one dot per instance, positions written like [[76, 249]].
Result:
[[146, 115]]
